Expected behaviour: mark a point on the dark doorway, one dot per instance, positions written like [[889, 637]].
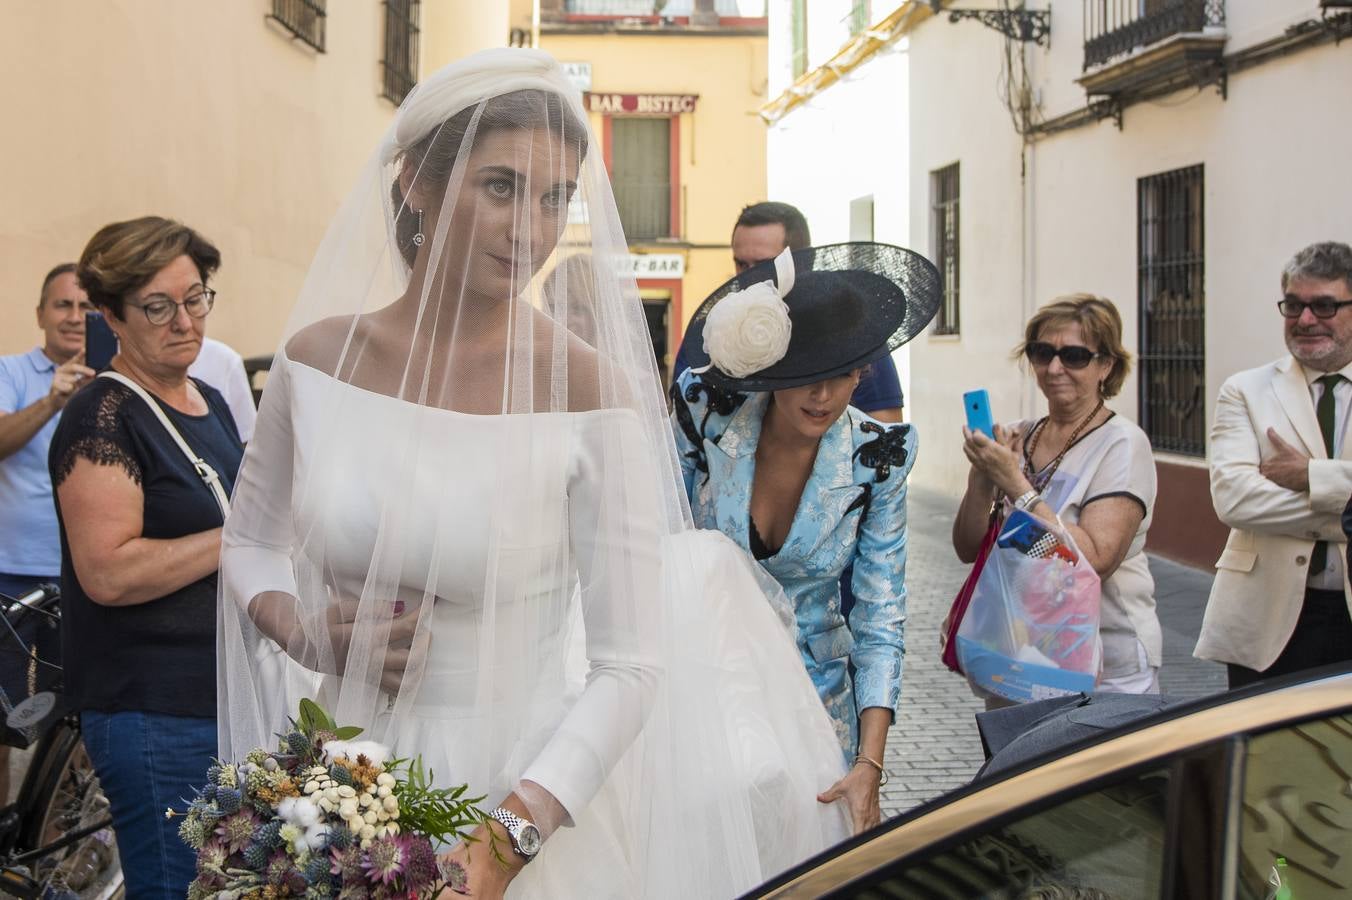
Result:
[[658, 314]]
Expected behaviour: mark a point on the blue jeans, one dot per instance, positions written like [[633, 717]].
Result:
[[148, 762]]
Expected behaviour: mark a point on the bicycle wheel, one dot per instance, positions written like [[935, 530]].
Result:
[[70, 800]]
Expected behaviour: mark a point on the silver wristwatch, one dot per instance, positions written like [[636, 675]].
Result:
[[525, 836], [1027, 499]]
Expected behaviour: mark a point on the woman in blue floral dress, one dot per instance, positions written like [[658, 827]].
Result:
[[774, 457]]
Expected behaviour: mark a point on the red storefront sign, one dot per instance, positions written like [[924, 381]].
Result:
[[642, 104]]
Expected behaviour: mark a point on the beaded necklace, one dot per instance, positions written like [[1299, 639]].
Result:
[[1040, 484]]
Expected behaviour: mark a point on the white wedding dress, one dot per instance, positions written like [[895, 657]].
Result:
[[589, 714]]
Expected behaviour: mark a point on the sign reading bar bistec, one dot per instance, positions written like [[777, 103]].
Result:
[[652, 265], [651, 104]]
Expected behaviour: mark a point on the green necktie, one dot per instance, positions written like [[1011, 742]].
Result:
[[1326, 412]]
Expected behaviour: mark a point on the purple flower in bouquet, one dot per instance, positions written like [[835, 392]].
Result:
[[454, 874], [212, 857], [278, 869], [347, 864], [237, 830], [384, 859], [421, 870]]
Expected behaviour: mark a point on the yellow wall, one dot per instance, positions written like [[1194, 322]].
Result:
[[193, 109], [722, 160]]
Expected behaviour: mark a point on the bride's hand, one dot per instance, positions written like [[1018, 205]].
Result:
[[403, 641], [859, 788], [488, 872]]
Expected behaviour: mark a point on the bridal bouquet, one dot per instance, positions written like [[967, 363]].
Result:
[[324, 815]]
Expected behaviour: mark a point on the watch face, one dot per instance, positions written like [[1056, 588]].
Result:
[[528, 839]]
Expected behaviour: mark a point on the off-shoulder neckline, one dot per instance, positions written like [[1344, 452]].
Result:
[[618, 410]]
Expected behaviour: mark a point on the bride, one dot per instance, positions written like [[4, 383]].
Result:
[[460, 526]]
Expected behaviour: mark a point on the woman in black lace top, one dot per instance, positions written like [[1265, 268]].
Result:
[[140, 542]]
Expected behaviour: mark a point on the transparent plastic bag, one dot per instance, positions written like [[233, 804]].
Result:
[[1032, 629]]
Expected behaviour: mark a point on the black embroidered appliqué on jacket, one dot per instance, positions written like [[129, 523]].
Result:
[[886, 450], [722, 402]]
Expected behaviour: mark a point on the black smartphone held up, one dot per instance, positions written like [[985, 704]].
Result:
[[100, 342]]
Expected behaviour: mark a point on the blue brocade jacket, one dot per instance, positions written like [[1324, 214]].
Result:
[[853, 510]]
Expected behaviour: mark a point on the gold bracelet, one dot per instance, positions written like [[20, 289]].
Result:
[[882, 773]]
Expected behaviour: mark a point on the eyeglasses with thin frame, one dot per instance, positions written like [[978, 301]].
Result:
[[1073, 356], [160, 310], [1322, 307]]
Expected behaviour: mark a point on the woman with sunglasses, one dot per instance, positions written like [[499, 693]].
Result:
[[1087, 466], [141, 541]]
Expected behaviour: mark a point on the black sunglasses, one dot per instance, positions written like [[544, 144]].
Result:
[[1073, 356], [1322, 307]]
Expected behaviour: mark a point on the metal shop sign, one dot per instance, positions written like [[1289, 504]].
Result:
[[652, 265], [651, 104]]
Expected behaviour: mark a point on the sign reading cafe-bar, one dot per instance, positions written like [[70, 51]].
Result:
[[651, 104]]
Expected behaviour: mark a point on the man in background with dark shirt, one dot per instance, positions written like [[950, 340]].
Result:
[[762, 232]]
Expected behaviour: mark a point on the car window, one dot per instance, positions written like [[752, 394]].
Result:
[[1296, 821], [1107, 844]]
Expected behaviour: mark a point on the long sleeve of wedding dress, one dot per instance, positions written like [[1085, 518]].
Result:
[[616, 545]]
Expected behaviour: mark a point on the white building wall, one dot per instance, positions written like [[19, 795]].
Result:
[[849, 142], [1269, 190], [1267, 194], [956, 116]]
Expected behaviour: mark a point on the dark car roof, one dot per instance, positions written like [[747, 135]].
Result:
[[1259, 707]]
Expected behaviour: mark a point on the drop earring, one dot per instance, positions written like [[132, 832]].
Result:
[[418, 236]]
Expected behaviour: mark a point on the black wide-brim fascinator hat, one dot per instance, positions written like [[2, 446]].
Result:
[[839, 307]]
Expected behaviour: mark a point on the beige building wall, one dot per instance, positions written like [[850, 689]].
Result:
[[455, 28], [722, 143], [197, 110]]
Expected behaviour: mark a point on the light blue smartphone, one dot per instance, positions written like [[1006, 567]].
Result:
[[978, 406]]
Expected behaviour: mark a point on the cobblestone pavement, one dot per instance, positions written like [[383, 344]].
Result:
[[933, 747]]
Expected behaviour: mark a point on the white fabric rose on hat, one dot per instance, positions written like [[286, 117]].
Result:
[[748, 330]]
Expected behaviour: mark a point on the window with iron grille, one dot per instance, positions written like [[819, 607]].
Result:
[[305, 19], [401, 49], [944, 243], [1172, 310], [640, 172], [798, 37]]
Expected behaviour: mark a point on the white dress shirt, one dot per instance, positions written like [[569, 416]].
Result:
[[222, 368], [1331, 578]]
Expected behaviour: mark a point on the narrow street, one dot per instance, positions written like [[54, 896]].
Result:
[[934, 747]]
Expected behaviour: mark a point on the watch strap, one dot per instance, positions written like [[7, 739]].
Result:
[[514, 825]]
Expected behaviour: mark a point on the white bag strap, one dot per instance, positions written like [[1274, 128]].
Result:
[[203, 468]]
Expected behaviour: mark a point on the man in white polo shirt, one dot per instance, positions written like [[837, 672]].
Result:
[[34, 387], [221, 367]]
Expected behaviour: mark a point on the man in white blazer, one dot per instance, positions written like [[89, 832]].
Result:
[[1281, 476]]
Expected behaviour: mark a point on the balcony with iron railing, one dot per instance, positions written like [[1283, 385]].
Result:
[[1138, 49], [1114, 28], [667, 8], [705, 13]]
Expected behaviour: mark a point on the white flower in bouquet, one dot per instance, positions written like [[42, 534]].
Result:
[[376, 753], [298, 811]]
